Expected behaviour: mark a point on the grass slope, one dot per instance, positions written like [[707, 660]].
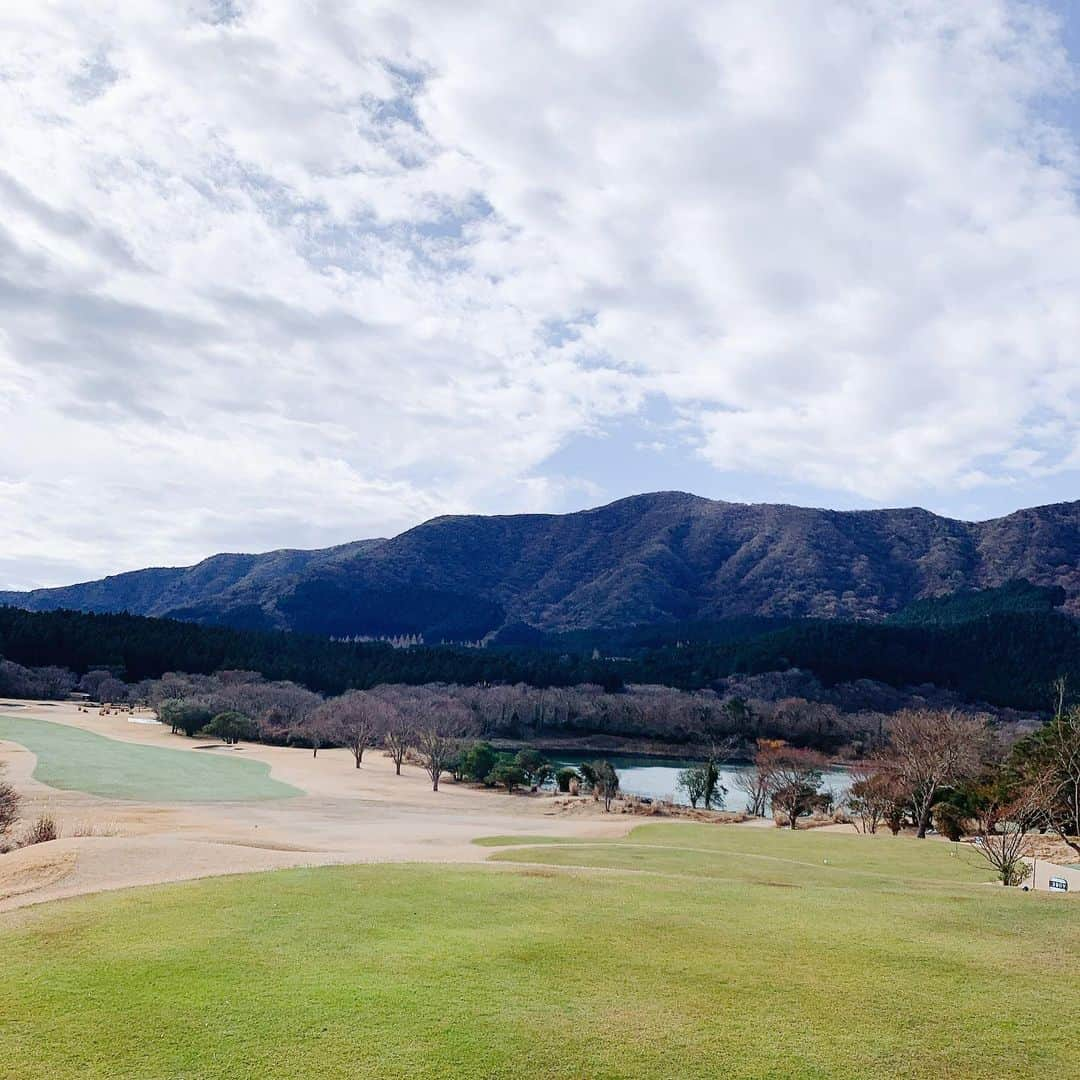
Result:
[[732, 952], [76, 760]]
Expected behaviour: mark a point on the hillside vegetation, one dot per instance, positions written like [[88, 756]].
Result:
[[1004, 647], [137, 648], [658, 558]]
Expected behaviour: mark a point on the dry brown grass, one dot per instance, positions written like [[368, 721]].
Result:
[[91, 828], [42, 831], [631, 804], [27, 870]]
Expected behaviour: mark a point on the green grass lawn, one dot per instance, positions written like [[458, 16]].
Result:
[[76, 760], [725, 953]]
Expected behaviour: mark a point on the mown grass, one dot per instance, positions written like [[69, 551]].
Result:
[[751, 854], [696, 967], [516, 841], [76, 760]]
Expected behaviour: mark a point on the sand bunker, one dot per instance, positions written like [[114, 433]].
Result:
[[342, 815]]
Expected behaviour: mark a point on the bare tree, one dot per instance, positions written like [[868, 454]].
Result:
[[318, 732], [756, 783], [52, 683], [397, 735], [795, 774], [436, 749], [9, 806], [442, 723], [874, 792], [276, 707], [1055, 756], [356, 718], [1002, 828], [931, 750]]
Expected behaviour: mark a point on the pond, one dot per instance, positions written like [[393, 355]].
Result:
[[656, 778]]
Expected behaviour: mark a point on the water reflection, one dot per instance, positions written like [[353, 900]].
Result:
[[656, 778]]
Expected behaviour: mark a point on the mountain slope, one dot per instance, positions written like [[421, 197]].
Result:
[[228, 579], [645, 559]]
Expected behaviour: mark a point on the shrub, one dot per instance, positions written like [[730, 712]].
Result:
[[565, 777], [950, 821], [587, 773], [533, 764], [605, 782], [232, 726], [182, 715], [506, 773], [1015, 874], [477, 761], [9, 805], [41, 832]]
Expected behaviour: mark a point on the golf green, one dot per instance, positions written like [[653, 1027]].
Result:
[[76, 760]]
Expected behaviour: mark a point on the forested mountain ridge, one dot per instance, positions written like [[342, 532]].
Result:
[[646, 559], [1005, 647], [232, 579]]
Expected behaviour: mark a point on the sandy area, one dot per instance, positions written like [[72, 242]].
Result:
[[345, 815]]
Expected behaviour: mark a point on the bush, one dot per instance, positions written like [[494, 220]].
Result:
[[587, 773], [533, 764], [41, 832], [605, 782], [477, 761], [1016, 874], [9, 805], [506, 773], [565, 777], [186, 716], [231, 727], [950, 821]]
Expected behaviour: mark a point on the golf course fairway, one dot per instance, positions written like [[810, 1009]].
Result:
[[681, 951]]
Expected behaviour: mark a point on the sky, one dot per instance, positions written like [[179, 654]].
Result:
[[287, 273]]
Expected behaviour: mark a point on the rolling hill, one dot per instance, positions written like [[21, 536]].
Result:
[[647, 559]]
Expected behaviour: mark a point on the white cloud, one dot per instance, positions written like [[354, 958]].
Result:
[[294, 273]]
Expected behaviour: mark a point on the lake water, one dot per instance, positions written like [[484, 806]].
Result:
[[656, 777]]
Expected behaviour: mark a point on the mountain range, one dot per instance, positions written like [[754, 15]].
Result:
[[650, 558]]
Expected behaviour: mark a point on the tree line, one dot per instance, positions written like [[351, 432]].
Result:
[[430, 725], [135, 648], [940, 770], [282, 712], [1004, 658], [786, 706]]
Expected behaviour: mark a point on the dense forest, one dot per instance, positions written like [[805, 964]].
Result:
[[1000, 646], [1007, 660], [135, 648]]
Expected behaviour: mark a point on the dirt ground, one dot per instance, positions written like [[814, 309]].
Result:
[[345, 815]]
